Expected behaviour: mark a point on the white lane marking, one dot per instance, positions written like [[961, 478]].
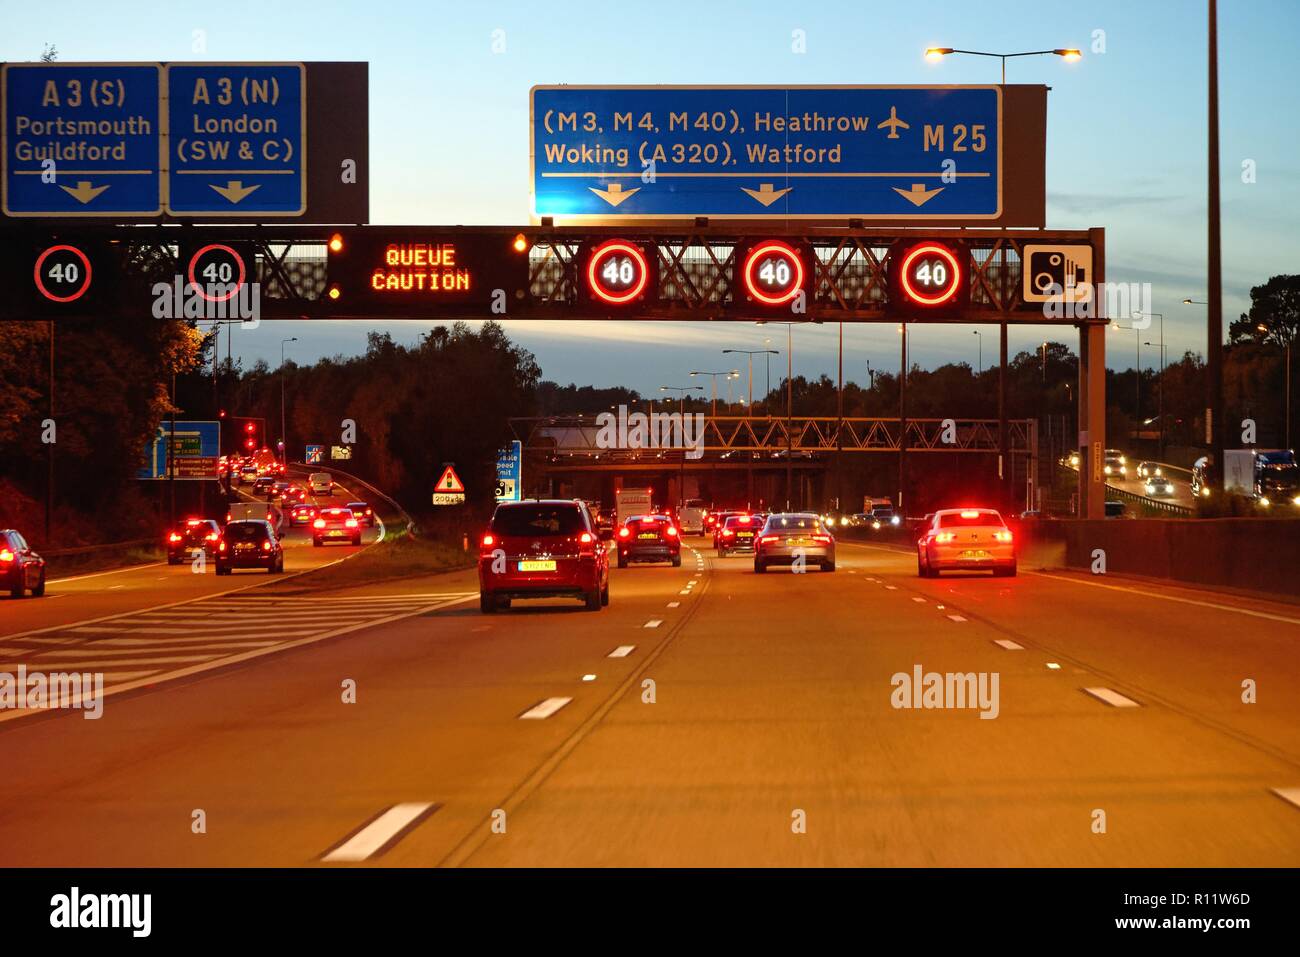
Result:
[[922, 600], [674, 604], [115, 571], [127, 675], [692, 583], [1008, 644], [187, 644], [1290, 795], [956, 618], [380, 832], [1113, 698], [588, 677], [1178, 598], [684, 591], [653, 623], [891, 587], [94, 664], [622, 651], [544, 709], [1053, 666]]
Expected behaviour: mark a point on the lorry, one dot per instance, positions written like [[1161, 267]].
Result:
[[243, 511], [632, 501], [1271, 476]]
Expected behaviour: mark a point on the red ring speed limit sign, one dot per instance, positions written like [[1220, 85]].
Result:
[[62, 273]]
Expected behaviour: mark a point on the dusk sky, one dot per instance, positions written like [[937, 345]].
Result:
[[449, 134]]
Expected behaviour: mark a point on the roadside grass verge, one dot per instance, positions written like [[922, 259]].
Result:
[[101, 560], [396, 557]]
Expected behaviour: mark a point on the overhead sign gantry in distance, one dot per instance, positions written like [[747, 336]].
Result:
[[883, 154]]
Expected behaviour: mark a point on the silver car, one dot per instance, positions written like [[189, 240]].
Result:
[[1158, 486], [794, 538]]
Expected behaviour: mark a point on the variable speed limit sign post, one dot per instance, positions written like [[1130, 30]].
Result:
[[929, 277], [772, 272], [618, 272], [218, 270]]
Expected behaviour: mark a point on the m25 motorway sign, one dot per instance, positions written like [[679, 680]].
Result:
[[879, 153]]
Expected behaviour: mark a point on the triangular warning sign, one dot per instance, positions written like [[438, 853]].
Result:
[[449, 481]]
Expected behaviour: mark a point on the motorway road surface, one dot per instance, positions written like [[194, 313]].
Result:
[[767, 736]]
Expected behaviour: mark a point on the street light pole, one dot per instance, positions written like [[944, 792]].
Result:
[[681, 391], [751, 353], [980, 367], [1070, 54], [284, 439], [729, 373], [1214, 266]]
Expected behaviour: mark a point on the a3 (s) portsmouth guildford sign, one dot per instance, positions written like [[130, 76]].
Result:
[[970, 155]]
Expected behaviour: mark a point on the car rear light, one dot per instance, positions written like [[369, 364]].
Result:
[[6, 555], [488, 541], [221, 547], [585, 538], [970, 513], [191, 522], [266, 546], [624, 532], [1003, 536], [727, 533], [672, 531], [351, 523], [212, 537], [769, 538], [943, 537], [745, 519], [822, 539], [173, 537], [319, 523]]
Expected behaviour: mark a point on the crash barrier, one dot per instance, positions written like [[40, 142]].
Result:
[[1253, 554]]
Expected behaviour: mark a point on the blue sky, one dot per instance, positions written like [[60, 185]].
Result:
[[449, 131]]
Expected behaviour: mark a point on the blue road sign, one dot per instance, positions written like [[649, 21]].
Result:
[[313, 455], [626, 153], [238, 139], [510, 472], [82, 139], [197, 447]]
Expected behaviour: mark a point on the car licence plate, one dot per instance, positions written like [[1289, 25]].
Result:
[[537, 566], [648, 535], [744, 534], [974, 554]]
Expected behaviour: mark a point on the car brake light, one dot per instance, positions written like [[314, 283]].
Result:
[[488, 541], [351, 523], [221, 547], [1003, 536], [945, 537], [768, 538], [624, 532], [970, 513], [6, 555], [191, 522], [173, 537], [212, 537], [319, 523], [745, 519], [266, 546], [727, 532], [585, 538], [672, 530]]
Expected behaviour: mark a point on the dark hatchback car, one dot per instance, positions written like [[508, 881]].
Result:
[[363, 512], [738, 534], [543, 548], [21, 569], [190, 535], [649, 538], [249, 543]]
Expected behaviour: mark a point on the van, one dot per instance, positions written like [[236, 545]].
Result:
[[320, 483]]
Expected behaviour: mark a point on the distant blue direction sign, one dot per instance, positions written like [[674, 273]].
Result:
[[82, 139], [510, 472], [196, 447], [238, 139], [896, 153]]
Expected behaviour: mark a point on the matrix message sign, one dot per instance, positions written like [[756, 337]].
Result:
[[895, 154], [400, 269], [195, 447]]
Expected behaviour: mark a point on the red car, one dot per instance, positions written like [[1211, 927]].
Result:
[[542, 549], [302, 514], [649, 538], [21, 569]]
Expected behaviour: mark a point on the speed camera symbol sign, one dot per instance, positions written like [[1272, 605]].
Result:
[[1057, 273]]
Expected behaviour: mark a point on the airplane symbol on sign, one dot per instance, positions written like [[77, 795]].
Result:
[[893, 123]]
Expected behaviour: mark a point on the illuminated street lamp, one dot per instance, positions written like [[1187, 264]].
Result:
[[1069, 54], [730, 374]]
